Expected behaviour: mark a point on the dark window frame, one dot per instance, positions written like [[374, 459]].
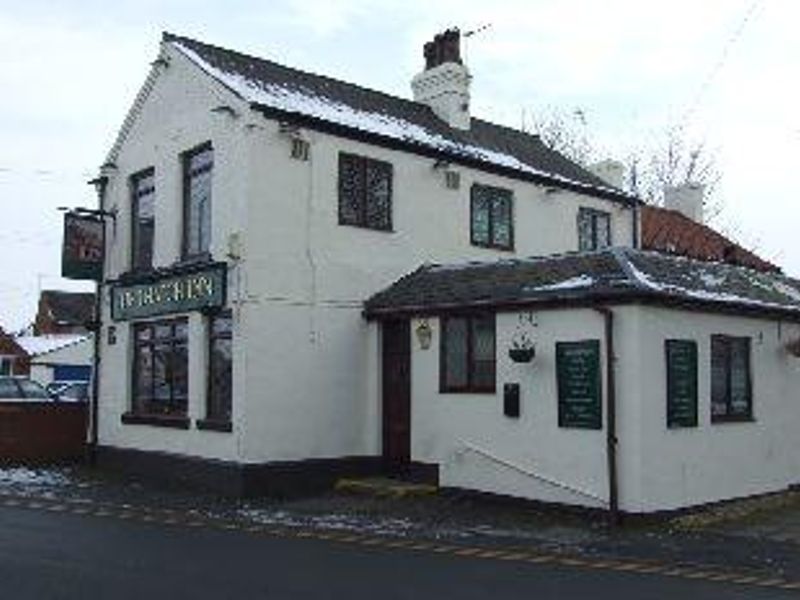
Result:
[[364, 163], [186, 178], [136, 412], [727, 342], [504, 194], [471, 386], [593, 214], [215, 421], [135, 197]]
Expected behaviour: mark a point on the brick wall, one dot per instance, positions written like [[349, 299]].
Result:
[[42, 432]]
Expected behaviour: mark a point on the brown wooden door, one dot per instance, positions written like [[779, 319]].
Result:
[[396, 396]]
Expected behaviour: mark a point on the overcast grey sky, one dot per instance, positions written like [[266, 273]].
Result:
[[69, 71]]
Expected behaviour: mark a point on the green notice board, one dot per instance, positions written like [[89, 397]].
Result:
[[681, 383], [579, 384]]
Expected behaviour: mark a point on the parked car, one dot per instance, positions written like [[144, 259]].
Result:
[[69, 391], [21, 389]]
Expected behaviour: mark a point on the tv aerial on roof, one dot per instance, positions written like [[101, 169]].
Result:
[[468, 34]]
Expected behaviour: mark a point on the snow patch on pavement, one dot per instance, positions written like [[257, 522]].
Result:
[[24, 476]]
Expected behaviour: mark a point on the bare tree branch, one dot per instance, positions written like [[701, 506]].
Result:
[[672, 161]]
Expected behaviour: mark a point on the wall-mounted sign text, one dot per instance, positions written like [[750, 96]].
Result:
[[579, 384], [681, 383], [82, 250], [171, 294]]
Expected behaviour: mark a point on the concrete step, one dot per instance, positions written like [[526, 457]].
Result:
[[384, 487]]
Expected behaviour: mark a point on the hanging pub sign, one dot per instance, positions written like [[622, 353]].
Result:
[[178, 293], [579, 384], [82, 251]]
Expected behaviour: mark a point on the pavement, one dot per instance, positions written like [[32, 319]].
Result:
[[754, 544]]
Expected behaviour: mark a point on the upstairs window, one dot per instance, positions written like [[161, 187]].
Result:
[[197, 167], [594, 229], [365, 192], [143, 217], [467, 354], [491, 224], [731, 386]]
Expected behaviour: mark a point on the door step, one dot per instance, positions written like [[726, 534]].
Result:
[[384, 487]]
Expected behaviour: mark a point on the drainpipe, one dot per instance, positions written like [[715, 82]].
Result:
[[611, 413]]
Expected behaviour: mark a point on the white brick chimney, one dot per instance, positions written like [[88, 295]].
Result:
[[610, 171], [444, 84], [686, 198]]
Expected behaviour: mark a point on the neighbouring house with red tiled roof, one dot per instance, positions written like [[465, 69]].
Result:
[[14, 360], [670, 231], [62, 312]]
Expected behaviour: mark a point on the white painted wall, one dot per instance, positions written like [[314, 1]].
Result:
[[712, 462], [659, 468], [445, 425], [304, 357], [310, 272], [176, 116]]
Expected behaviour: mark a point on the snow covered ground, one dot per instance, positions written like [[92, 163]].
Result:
[[20, 480]]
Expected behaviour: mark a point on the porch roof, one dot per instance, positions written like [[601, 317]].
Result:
[[612, 275]]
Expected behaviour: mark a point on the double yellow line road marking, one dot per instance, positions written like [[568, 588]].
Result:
[[171, 517]]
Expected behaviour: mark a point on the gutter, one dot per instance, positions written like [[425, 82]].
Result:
[[347, 132], [611, 414]]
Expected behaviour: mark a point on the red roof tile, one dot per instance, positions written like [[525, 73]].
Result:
[[671, 232]]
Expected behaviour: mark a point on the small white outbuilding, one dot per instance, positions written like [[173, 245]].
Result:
[[59, 357]]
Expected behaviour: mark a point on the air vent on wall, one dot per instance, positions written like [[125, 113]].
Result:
[[452, 179], [300, 148]]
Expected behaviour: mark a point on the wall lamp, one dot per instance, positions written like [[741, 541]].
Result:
[[424, 334]]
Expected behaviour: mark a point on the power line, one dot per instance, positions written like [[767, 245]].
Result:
[[45, 173], [726, 50]]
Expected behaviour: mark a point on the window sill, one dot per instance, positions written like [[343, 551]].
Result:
[[173, 421], [213, 425], [490, 247], [735, 419], [474, 391], [367, 227]]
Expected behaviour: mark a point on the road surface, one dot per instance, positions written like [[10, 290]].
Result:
[[48, 554]]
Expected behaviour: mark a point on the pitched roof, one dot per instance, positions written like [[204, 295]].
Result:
[[672, 232], [36, 345], [613, 274], [9, 345], [349, 109], [69, 308]]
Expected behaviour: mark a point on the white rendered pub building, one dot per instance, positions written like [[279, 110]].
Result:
[[273, 315]]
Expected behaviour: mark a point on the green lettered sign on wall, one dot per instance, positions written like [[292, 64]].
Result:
[[170, 294], [681, 383], [579, 384]]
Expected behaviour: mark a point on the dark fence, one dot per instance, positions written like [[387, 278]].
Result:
[[42, 432]]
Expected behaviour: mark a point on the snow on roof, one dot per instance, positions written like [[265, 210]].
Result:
[[36, 345], [309, 103], [621, 273], [573, 282]]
